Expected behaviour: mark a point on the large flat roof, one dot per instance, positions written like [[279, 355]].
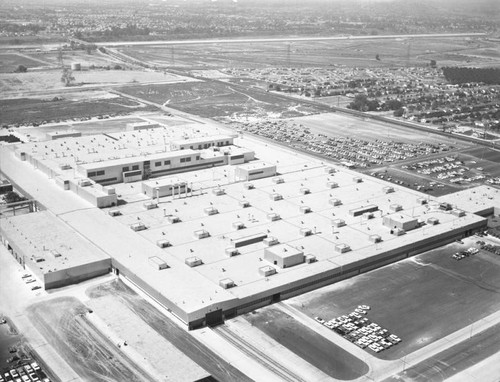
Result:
[[196, 290], [43, 236]]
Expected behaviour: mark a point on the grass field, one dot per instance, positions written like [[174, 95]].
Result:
[[11, 83], [10, 61], [307, 344], [395, 52], [421, 299], [216, 99]]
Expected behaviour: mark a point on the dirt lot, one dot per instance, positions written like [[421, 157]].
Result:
[[63, 323], [336, 124], [218, 100], [307, 344], [200, 354], [447, 51], [35, 110], [421, 299]]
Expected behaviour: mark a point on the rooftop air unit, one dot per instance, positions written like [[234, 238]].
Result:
[[138, 226], [193, 261], [395, 207], [248, 186], [337, 223], [218, 191], [270, 241], [244, 203], [231, 251], [150, 205], [211, 211], [267, 271], [273, 216], [238, 225], [201, 234], [163, 243], [304, 209], [342, 248], [173, 219], [305, 232], [305, 191], [226, 283], [114, 212], [278, 180], [332, 184], [310, 259], [275, 196]]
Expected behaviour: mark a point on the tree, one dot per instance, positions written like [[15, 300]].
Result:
[[21, 69], [67, 77], [13, 197], [433, 63]]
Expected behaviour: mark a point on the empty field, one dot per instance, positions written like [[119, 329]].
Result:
[[337, 124], [307, 344], [35, 110], [421, 299], [218, 100], [15, 83], [358, 53], [10, 61]]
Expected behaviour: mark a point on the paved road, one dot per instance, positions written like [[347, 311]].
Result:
[[455, 359]]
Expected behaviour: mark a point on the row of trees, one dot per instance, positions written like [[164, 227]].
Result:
[[464, 75], [363, 103]]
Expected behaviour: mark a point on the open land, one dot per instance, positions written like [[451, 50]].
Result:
[[39, 110], [307, 344], [358, 53], [12, 84], [164, 327], [420, 300], [63, 323], [10, 61], [218, 100]]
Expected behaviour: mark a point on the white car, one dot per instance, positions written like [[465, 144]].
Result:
[[364, 307], [320, 320]]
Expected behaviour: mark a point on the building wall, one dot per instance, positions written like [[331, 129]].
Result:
[[76, 274]]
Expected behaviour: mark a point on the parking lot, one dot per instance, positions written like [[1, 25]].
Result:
[[421, 299], [29, 372], [361, 331]]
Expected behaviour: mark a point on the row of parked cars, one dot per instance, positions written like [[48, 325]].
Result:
[[28, 280], [28, 373], [463, 254], [359, 330]]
